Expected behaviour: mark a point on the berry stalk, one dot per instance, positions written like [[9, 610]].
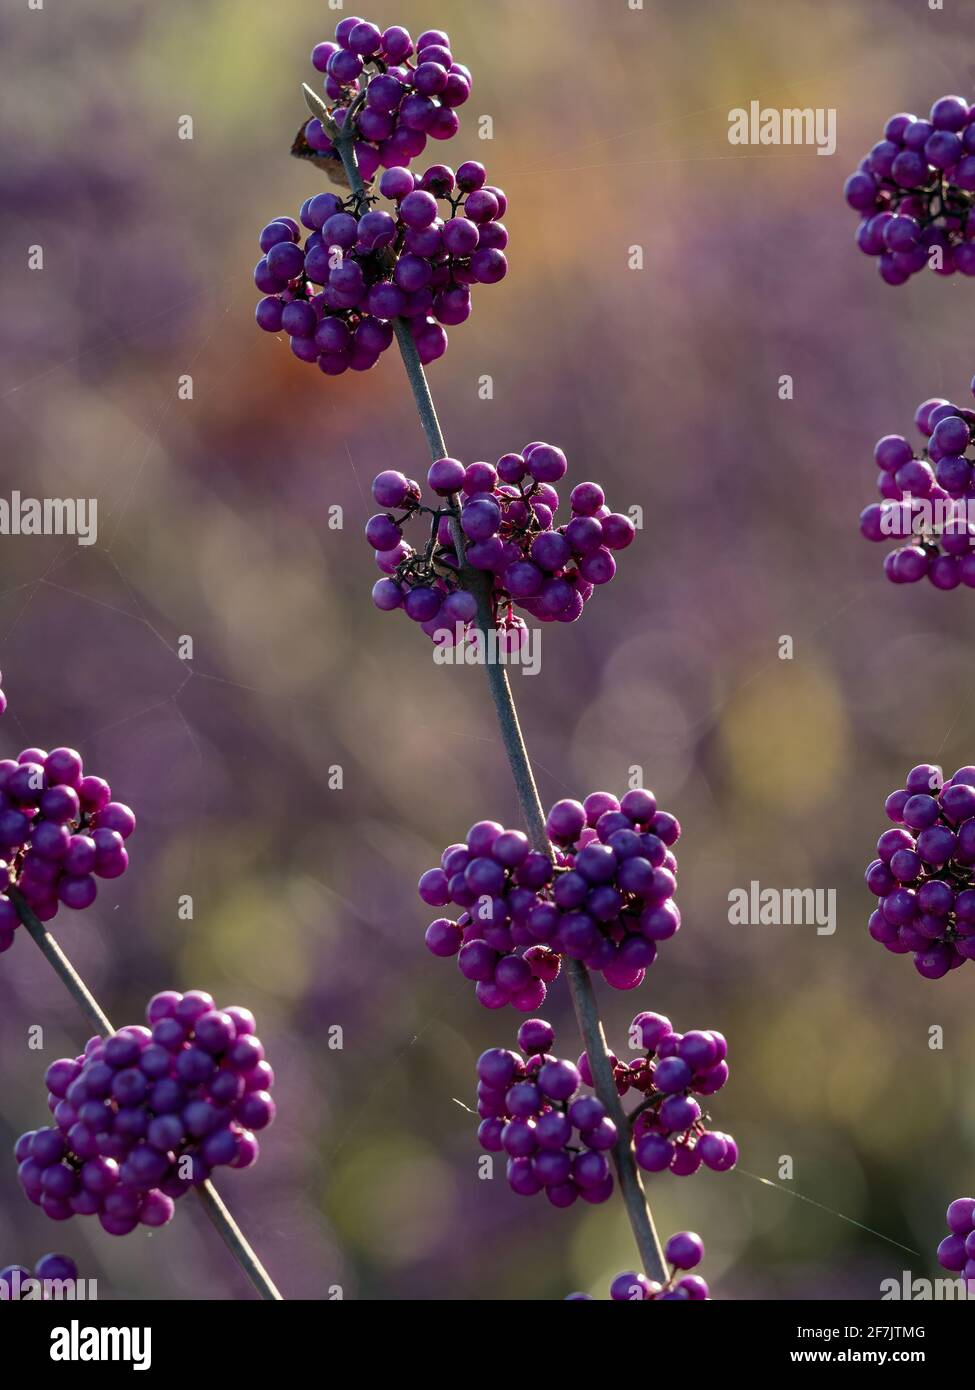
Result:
[[580, 984], [631, 1185], [417, 377], [69, 977], [235, 1241], [425, 407], [97, 1019]]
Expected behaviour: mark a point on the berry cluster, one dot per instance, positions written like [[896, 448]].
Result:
[[507, 515], [956, 1253], [606, 899], [374, 266], [17, 1282], [929, 498], [400, 93], [924, 877], [668, 1127], [438, 258], [683, 1251], [59, 830], [915, 192], [145, 1115], [3, 698], [531, 1109]]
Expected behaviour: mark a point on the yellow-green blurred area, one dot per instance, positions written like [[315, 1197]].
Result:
[[297, 775]]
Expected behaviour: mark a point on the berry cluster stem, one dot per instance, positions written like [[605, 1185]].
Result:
[[580, 984], [95, 1016], [235, 1240], [97, 1019], [417, 377], [581, 989], [631, 1185]]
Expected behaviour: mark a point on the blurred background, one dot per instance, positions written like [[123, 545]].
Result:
[[609, 131]]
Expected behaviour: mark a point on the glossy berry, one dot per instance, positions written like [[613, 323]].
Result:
[[60, 832], [607, 901], [141, 1117], [51, 1278], [335, 295], [406, 93], [915, 193], [927, 501], [683, 1251], [507, 515], [675, 1073], [533, 1110], [956, 1253], [922, 877]]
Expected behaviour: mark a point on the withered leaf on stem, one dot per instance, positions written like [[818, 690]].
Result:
[[330, 164]]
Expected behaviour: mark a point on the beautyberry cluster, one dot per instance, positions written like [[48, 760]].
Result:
[[956, 1253], [143, 1116], [915, 192], [445, 255], [532, 1109], [400, 93], [929, 498], [668, 1127], [683, 1251], [607, 899], [59, 831], [507, 515], [374, 266], [923, 877], [17, 1282]]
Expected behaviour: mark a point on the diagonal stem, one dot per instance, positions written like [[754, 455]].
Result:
[[580, 984], [235, 1241], [425, 407], [69, 977], [98, 1020]]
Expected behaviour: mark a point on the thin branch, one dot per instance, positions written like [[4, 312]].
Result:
[[69, 977], [232, 1236], [417, 377], [580, 983]]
